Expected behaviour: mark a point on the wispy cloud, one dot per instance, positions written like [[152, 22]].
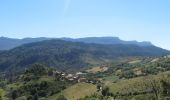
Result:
[[66, 6]]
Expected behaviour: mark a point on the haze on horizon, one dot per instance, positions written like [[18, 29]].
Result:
[[141, 20]]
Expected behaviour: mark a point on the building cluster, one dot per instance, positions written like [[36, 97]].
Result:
[[77, 77]]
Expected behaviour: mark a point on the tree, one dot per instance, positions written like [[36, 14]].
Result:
[[30, 97], [98, 87], [61, 97], [35, 97], [13, 94], [37, 70], [50, 72], [105, 91], [155, 85]]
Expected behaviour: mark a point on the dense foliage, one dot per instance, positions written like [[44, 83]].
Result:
[[35, 83], [69, 55]]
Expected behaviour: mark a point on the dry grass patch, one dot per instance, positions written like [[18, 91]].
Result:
[[97, 69], [79, 90]]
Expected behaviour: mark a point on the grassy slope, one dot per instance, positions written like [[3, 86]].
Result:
[[127, 85], [2, 94], [111, 78], [77, 91], [134, 84]]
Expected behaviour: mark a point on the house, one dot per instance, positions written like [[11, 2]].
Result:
[[63, 74], [80, 74], [71, 79], [82, 80], [69, 76], [75, 77]]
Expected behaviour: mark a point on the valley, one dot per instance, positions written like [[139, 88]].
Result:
[[84, 50], [62, 70]]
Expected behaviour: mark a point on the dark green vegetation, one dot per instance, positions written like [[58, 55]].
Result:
[[70, 55], [34, 83]]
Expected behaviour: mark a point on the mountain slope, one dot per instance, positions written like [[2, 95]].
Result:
[[70, 55]]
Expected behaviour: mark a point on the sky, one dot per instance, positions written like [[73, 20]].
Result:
[[141, 20]]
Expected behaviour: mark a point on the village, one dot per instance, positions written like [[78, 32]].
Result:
[[77, 77], [81, 76]]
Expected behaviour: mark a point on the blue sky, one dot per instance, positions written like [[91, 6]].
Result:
[[142, 20]]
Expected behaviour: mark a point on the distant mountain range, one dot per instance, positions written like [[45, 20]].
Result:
[[67, 55], [9, 43], [107, 40]]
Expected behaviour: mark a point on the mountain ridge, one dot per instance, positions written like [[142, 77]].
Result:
[[10, 43], [107, 40]]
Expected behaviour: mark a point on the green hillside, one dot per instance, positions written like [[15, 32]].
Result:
[[135, 79], [77, 91], [33, 84], [70, 55], [152, 86], [40, 82]]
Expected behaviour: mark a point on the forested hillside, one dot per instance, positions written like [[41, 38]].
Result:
[[38, 81], [70, 55]]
